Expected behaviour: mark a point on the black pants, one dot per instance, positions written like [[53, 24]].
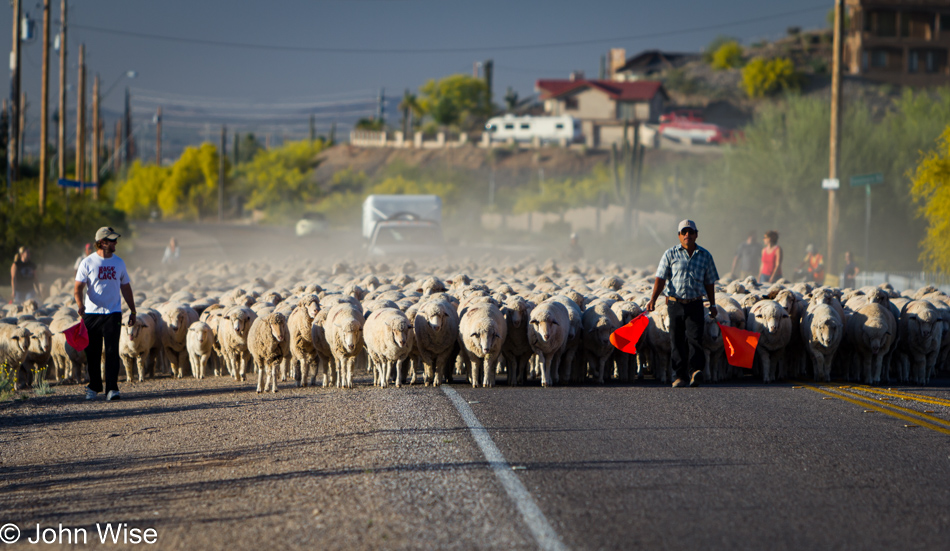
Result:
[[103, 327], [686, 329]]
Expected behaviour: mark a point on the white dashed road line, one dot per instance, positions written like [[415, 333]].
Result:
[[540, 528]]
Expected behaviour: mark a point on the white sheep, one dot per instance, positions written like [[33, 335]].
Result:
[[269, 343], [200, 345], [822, 331], [771, 321], [232, 339], [871, 332], [38, 359], [920, 339], [14, 345], [516, 350], [388, 337], [626, 311], [140, 345], [176, 319], [300, 324], [482, 332], [435, 326], [548, 328], [599, 323], [67, 361], [660, 341], [344, 332]]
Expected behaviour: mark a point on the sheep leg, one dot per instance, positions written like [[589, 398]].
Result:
[[398, 366], [260, 382], [272, 372], [766, 362], [142, 361], [127, 361], [491, 363], [475, 367]]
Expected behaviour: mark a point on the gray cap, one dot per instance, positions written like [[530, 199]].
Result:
[[106, 232], [686, 224]]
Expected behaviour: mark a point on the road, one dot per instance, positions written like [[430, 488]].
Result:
[[212, 465]]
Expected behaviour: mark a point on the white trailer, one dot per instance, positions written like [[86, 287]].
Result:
[[379, 208], [527, 128]]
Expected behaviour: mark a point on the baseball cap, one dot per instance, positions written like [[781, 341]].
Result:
[[686, 224], [106, 232]]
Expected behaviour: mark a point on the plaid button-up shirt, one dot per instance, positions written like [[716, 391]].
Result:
[[686, 275]]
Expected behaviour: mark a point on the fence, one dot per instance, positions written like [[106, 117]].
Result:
[[902, 281]]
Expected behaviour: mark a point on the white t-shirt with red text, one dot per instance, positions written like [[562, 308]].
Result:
[[103, 278]]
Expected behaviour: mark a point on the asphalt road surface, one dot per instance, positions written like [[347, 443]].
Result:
[[212, 465]]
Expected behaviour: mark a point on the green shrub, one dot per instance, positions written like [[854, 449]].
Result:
[[764, 77], [728, 56], [714, 46]]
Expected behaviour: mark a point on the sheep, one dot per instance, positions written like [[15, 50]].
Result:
[[232, 338], [822, 331], [771, 321], [318, 337], [548, 329], [140, 344], [516, 350], [14, 345], [716, 368], [268, 341], [388, 337], [435, 326], [570, 366], [200, 345], [39, 354], [344, 332], [920, 339], [300, 324], [599, 322], [871, 331], [661, 343], [176, 318], [482, 332], [626, 311], [66, 360]]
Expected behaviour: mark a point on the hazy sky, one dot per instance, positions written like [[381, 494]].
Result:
[[332, 56]]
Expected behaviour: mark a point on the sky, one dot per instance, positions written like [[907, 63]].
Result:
[[264, 66]]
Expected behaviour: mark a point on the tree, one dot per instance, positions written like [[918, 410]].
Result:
[[931, 191], [761, 78], [138, 194], [409, 107], [247, 148], [368, 123], [728, 56], [714, 46], [457, 101], [280, 180], [511, 99], [191, 190]]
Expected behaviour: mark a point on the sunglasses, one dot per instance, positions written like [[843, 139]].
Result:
[[688, 231]]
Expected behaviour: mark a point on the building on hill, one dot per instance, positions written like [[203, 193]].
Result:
[[603, 106], [649, 63], [903, 42]]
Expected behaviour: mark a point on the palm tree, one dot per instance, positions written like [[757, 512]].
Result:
[[408, 105]]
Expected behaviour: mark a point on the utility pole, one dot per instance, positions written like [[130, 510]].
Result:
[[95, 137], [313, 128], [61, 139], [835, 141], [128, 128], [488, 70], [158, 137], [237, 140], [116, 149], [81, 118], [221, 157], [381, 106], [44, 109], [13, 146], [23, 106]]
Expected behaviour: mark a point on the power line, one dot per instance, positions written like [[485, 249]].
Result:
[[327, 50]]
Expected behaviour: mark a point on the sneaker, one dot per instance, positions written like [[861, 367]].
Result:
[[91, 394], [679, 382], [113, 395], [696, 378]]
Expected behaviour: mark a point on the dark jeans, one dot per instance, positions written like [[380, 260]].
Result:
[[686, 330], [103, 327]]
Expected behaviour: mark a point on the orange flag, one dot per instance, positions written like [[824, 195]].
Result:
[[77, 336], [626, 338], [740, 345]]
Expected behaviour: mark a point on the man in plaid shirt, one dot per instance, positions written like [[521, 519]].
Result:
[[687, 272]]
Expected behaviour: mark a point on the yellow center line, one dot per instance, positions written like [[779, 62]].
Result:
[[874, 405], [906, 395]]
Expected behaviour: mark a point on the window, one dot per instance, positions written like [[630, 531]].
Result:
[[917, 25], [879, 59], [525, 126], [570, 102], [945, 21], [559, 126], [509, 126], [884, 22], [913, 61], [491, 127]]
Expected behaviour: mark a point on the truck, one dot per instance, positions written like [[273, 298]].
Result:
[[403, 225], [527, 128]]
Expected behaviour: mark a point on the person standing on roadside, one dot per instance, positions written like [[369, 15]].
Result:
[[23, 277], [101, 283], [172, 252], [745, 258], [850, 271], [87, 250], [686, 271], [771, 270]]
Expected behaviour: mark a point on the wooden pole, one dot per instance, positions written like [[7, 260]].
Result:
[[23, 106], [158, 137], [95, 137], [117, 149], [13, 147], [81, 117], [44, 109], [835, 142], [222, 156], [61, 138]]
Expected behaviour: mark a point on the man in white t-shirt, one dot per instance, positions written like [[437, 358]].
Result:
[[101, 283]]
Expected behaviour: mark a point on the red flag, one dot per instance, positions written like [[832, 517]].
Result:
[[77, 336], [739, 345], [626, 338]]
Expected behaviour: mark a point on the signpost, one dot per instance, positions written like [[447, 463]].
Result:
[[830, 183], [867, 180]]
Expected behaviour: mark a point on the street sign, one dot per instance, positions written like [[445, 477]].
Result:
[[63, 182], [867, 179], [830, 183]]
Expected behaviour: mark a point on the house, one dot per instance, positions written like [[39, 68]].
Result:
[[650, 62], [603, 106], [901, 42]]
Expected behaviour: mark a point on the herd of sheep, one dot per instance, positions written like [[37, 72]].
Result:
[[308, 321]]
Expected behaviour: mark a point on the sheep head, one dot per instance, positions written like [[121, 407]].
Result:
[[400, 329], [277, 322], [22, 339]]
